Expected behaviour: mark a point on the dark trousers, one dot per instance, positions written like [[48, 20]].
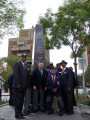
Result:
[[11, 99], [19, 94], [74, 101], [68, 100], [0, 94], [36, 93], [59, 102]]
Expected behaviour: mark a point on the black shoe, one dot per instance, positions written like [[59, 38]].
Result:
[[34, 111], [65, 111], [50, 112], [69, 113], [20, 117], [60, 113], [24, 114], [42, 110]]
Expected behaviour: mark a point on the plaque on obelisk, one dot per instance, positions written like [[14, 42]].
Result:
[[38, 46]]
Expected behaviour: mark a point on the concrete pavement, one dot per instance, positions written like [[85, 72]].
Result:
[[7, 113]]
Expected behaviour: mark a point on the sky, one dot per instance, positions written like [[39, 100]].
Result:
[[35, 9]]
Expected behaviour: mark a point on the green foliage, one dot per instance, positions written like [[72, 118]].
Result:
[[5, 71], [80, 80], [11, 16], [87, 75], [68, 26], [11, 60], [85, 102], [3, 102]]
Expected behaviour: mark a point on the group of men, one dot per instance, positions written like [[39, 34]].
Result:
[[40, 86]]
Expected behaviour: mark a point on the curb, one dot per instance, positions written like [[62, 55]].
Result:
[[4, 105], [84, 110]]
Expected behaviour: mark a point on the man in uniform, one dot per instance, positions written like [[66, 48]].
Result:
[[27, 98], [58, 67], [75, 84], [67, 79], [10, 83], [19, 86], [54, 88]]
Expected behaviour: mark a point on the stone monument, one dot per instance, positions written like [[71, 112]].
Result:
[[38, 46]]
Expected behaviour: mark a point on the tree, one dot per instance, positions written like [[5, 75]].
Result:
[[5, 71], [70, 26], [11, 60], [11, 16]]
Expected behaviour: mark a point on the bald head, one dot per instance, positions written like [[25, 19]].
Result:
[[40, 65]]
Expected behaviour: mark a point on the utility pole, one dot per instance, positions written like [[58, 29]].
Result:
[[83, 75]]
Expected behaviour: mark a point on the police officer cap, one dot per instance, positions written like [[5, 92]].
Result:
[[50, 63], [23, 55], [28, 63], [58, 64], [63, 61]]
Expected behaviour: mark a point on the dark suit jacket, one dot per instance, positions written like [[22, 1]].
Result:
[[20, 74], [29, 79], [10, 81], [75, 80], [57, 85], [38, 80], [67, 78]]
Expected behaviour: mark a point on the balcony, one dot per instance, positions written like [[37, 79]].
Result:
[[20, 48], [20, 43]]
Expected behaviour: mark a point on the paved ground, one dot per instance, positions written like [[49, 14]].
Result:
[[7, 113]]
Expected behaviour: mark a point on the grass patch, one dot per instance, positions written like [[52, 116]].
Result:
[[3, 102], [82, 99], [85, 102]]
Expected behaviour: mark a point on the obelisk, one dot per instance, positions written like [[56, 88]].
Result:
[[38, 46]]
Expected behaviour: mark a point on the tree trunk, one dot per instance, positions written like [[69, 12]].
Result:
[[75, 66]]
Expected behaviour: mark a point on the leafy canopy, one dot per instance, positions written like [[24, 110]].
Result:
[[70, 25], [11, 16]]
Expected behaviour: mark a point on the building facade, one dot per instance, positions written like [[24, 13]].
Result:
[[23, 44]]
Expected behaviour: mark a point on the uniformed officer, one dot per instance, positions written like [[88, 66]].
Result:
[[54, 88], [58, 67], [19, 86], [67, 79], [27, 99]]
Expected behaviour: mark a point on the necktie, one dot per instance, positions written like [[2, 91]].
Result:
[[53, 80], [62, 71], [41, 71], [24, 65]]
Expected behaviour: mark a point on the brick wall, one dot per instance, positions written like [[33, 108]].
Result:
[[26, 38]]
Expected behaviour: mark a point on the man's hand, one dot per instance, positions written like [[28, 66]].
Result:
[[18, 86], [45, 88], [34, 88], [54, 90], [69, 89]]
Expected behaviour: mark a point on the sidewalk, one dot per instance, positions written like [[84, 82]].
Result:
[[7, 113]]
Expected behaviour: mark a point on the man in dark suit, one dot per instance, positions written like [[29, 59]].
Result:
[[58, 67], [75, 84], [39, 86], [67, 79], [19, 86], [27, 98], [54, 88], [10, 83]]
